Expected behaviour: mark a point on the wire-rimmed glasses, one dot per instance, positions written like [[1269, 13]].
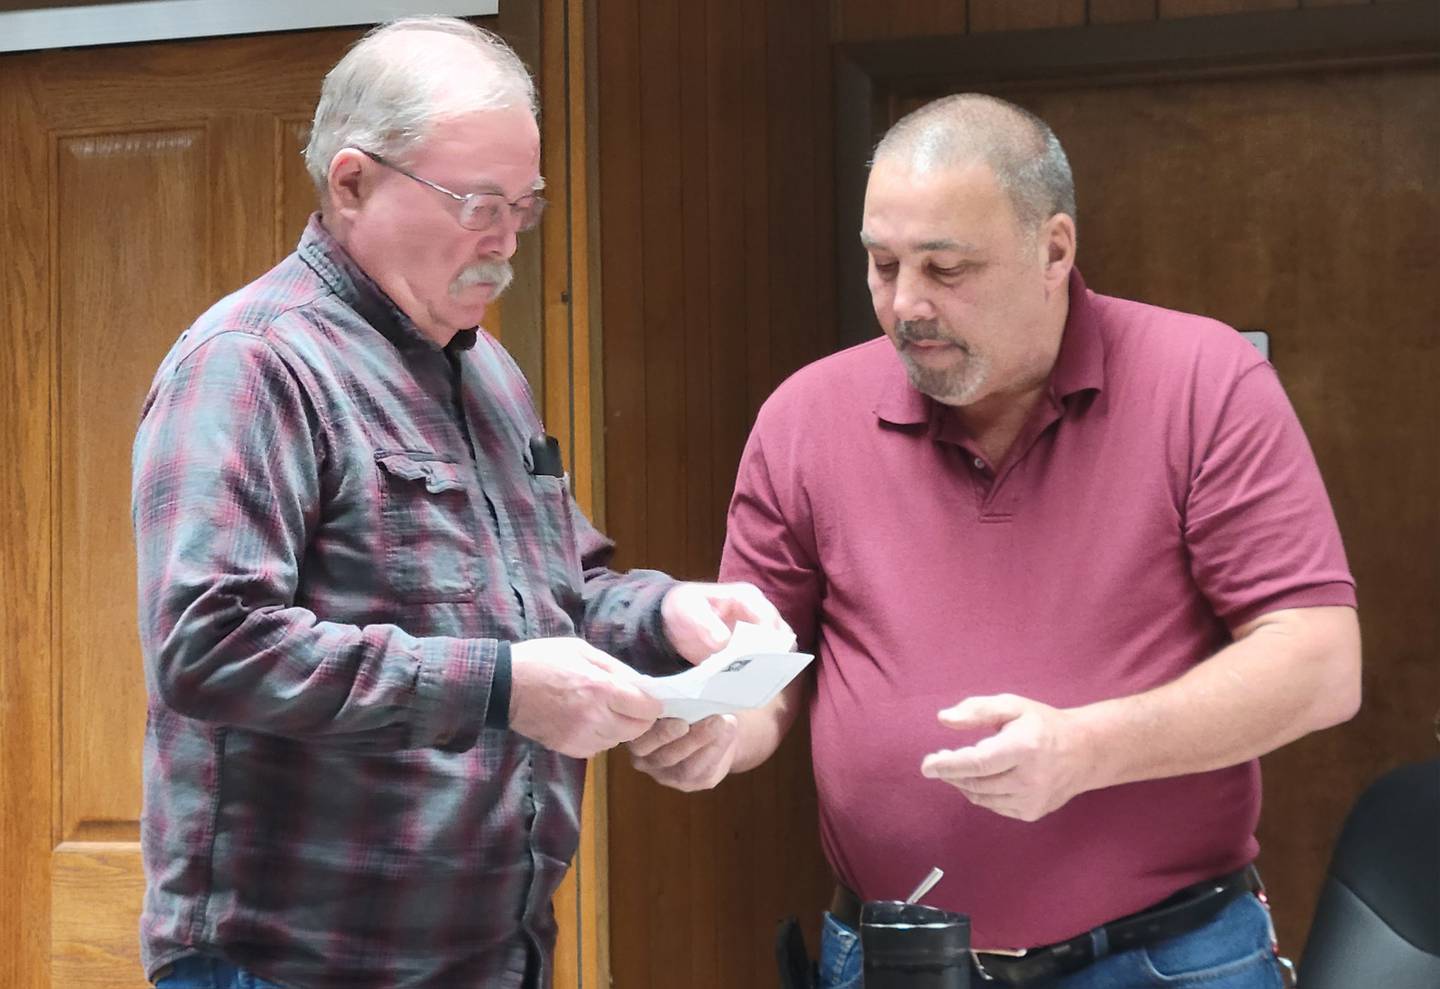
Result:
[[479, 211]]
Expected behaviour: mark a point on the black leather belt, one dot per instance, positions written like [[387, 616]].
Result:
[[1190, 908]]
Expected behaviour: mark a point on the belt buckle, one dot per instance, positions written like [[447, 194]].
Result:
[[1007, 952]]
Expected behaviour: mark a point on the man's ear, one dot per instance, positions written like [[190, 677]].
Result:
[[347, 180], [1057, 238]]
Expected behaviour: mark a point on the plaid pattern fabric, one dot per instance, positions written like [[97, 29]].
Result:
[[338, 533]]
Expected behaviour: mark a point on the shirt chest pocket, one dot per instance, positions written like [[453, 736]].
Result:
[[427, 527]]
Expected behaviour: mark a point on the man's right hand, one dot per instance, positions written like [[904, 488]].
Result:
[[572, 698], [687, 757]]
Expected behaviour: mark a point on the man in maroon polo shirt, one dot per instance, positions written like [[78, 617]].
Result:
[[1089, 533]]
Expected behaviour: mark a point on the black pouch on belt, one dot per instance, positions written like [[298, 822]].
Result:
[[797, 971]]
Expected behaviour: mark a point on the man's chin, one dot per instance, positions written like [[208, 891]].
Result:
[[946, 387], [465, 312]]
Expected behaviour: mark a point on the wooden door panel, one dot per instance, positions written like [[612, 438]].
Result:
[[95, 916], [131, 269], [240, 197], [295, 192]]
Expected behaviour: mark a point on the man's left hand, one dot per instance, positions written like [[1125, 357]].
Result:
[[699, 617], [1033, 764]]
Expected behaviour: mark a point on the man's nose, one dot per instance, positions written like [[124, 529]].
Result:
[[501, 240], [502, 237], [912, 297]]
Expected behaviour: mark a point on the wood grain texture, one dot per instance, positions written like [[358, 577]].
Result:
[[1024, 15], [865, 20], [117, 314], [621, 176], [1122, 11], [583, 405], [295, 194], [1203, 8], [27, 381], [97, 891], [713, 154]]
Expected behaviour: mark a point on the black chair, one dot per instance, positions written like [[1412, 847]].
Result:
[[1377, 924]]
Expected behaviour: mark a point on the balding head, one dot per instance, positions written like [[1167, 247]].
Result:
[[402, 78], [969, 128]]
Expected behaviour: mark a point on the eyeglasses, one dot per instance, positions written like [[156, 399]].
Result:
[[479, 211]]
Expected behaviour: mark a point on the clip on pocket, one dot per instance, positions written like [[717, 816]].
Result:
[[545, 456]]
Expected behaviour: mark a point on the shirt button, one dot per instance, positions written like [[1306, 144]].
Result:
[[979, 463]]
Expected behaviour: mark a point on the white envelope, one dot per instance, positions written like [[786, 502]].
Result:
[[748, 673]]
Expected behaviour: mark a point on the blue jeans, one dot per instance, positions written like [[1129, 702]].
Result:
[[200, 972], [1231, 952]]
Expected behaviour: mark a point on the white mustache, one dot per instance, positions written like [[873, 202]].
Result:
[[496, 273]]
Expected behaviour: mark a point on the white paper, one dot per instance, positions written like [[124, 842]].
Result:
[[753, 667]]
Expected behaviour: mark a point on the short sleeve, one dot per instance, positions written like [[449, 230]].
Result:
[[769, 540], [1259, 526]]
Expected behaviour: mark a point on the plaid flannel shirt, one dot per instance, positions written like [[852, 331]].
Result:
[[339, 534]]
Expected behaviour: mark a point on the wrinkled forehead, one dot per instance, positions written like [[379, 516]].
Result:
[[505, 132], [495, 146]]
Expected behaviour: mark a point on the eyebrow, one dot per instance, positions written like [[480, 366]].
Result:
[[925, 245], [491, 189]]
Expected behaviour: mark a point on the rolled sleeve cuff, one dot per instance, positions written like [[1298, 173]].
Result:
[[497, 711], [651, 642], [454, 690], [1327, 594]]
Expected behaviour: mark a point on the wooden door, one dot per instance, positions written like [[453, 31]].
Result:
[[140, 184]]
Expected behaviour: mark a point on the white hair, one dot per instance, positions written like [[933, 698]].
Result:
[[401, 78]]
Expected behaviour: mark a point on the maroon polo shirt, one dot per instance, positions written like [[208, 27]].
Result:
[[1161, 494]]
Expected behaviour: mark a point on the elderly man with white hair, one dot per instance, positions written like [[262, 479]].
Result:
[[380, 638]]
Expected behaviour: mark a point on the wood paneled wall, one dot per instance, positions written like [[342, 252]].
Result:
[[717, 260], [714, 141], [866, 20]]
